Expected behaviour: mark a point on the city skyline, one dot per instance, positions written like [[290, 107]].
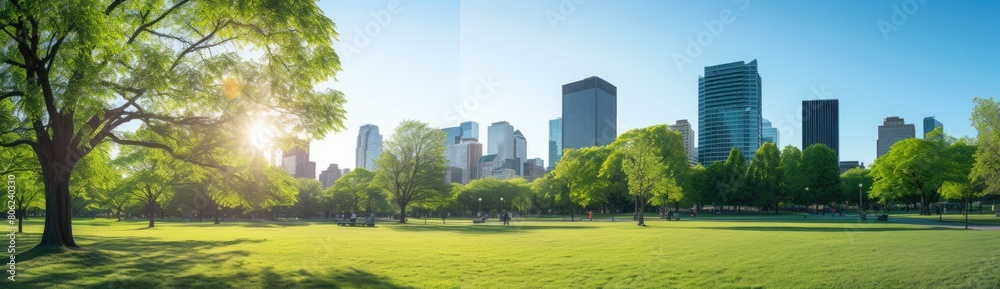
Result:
[[471, 72]]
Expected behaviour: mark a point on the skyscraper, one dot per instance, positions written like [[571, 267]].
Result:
[[369, 147], [464, 157], [452, 135], [729, 111], [329, 176], [769, 133], [589, 113], [687, 134], [501, 140], [821, 123], [520, 151], [468, 130], [555, 141], [892, 130], [930, 123], [296, 161]]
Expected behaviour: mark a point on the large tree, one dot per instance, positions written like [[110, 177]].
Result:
[[355, 190], [648, 178], [764, 176], [734, 179], [310, 195], [850, 181], [580, 170], [665, 144], [821, 174], [986, 120], [792, 183], [920, 167], [152, 177], [78, 71], [412, 165]]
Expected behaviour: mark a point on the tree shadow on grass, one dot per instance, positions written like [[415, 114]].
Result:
[[116, 262], [818, 229], [110, 262], [482, 229], [350, 278]]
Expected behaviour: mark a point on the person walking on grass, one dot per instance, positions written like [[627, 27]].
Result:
[[354, 217]]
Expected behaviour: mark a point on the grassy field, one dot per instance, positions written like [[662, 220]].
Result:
[[712, 251]]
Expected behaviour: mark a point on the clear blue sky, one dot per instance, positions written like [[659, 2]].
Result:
[[432, 56]]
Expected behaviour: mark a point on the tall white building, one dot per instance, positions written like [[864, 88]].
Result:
[[369, 147], [464, 157], [687, 134]]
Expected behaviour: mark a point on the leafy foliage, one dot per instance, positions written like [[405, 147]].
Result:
[[986, 120], [412, 165], [920, 167], [75, 72]]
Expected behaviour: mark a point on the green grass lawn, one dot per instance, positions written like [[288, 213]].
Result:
[[710, 251]]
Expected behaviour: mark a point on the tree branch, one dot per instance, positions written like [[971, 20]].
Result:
[[113, 6], [19, 142], [195, 46], [10, 94], [151, 23], [15, 63]]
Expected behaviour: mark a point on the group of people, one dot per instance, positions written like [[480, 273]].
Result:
[[504, 217], [353, 217]]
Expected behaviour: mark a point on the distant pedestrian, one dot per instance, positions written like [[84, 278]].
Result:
[[591, 215], [354, 217]]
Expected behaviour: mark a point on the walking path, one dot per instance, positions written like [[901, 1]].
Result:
[[936, 223]]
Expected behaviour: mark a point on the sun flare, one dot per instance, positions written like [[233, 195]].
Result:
[[261, 134]]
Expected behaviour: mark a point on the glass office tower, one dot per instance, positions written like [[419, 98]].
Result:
[[589, 113], [729, 111]]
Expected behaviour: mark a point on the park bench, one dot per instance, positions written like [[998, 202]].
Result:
[[365, 223], [883, 218]]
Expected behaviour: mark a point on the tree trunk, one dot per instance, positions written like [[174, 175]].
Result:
[[58, 230], [20, 219], [639, 212], [925, 208], [402, 213], [150, 214], [118, 213]]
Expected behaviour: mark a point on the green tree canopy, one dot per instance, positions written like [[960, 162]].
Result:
[[734, 178], [412, 165], [821, 174], [764, 176], [986, 120], [792, 182], [854, 177], [920, 167], [649, 180], [355, 191], [73, 73], [580, 170], [310, 195]]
